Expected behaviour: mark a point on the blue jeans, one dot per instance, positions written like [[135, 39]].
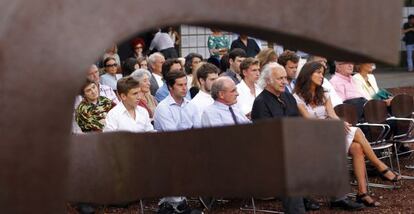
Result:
[[410, 49]]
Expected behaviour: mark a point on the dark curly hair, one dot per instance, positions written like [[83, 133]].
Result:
[[304, 81]]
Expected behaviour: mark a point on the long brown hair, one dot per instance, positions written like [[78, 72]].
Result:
[[304, 82]]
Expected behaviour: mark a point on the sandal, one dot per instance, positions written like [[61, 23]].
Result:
[[395, 179], [362, 198]]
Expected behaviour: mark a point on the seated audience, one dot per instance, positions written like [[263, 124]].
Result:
[[127, 115], [275, 102], [91, 112], [289, 60], [138, 47], [110, 78], [155, 62], [346, 88], [169, 65], [247, 88], [314, 102], [207, 73], [192, 62], [236, 56], [175, 112], [367, 84], [266, 56], [129, 66], [146, 100], [335, 99], [223, 111], [142, 62]]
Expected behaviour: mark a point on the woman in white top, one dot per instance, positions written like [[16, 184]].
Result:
[[366, 82], [248, 88], [314, 102]]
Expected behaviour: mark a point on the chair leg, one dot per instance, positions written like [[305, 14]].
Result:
[[405, 177], [141, 206], [256, 210]]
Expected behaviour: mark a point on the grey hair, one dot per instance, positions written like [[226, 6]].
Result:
[[153, 57], [93, 66], [140, 73], [217, 86], [266, 72]]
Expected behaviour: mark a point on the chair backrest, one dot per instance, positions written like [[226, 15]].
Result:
[[359, 105], [402, 105], [347, 112], [375, 111]]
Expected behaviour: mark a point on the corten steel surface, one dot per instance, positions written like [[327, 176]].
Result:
[[290, 157], [47, 44]]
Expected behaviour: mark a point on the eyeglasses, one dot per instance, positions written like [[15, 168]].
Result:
[[138, 47], [111, 65]]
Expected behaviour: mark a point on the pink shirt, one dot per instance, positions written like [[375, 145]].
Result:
[[345, 87]]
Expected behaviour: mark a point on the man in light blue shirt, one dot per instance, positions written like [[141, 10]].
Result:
[[223, 111], [176, 112], [169, 65]]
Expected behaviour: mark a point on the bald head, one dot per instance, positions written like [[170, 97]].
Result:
[[224, 90]]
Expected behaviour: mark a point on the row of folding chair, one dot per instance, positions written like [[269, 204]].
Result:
[[385, 127]]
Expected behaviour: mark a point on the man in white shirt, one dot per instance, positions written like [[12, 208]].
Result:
[[155, 62], [206, 74], [247, 88], [176, 112], [223, 111], [127, 115]]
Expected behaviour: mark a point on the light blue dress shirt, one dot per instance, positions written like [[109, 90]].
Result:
[[169, 116], [163, 92], [218, 114]]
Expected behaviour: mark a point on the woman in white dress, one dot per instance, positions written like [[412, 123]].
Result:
[[314, 102]]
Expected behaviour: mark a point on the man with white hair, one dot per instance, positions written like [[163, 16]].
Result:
[[276, 102], [155, 62]]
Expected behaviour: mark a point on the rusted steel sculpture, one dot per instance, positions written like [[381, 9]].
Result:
[[47, 44]]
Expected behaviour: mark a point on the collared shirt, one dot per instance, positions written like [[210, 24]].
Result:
[[368, 89], [335, 99], [118, 119], [345, 87], [109, 80], [233, 75], [290, 86], [268, 105], [163, 92], [201, 101], [245, 99], [91, 116], [170, 116], [218, 114], [158, 78], [107, 92]]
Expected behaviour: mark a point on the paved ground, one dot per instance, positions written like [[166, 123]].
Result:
[[393, 77]]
